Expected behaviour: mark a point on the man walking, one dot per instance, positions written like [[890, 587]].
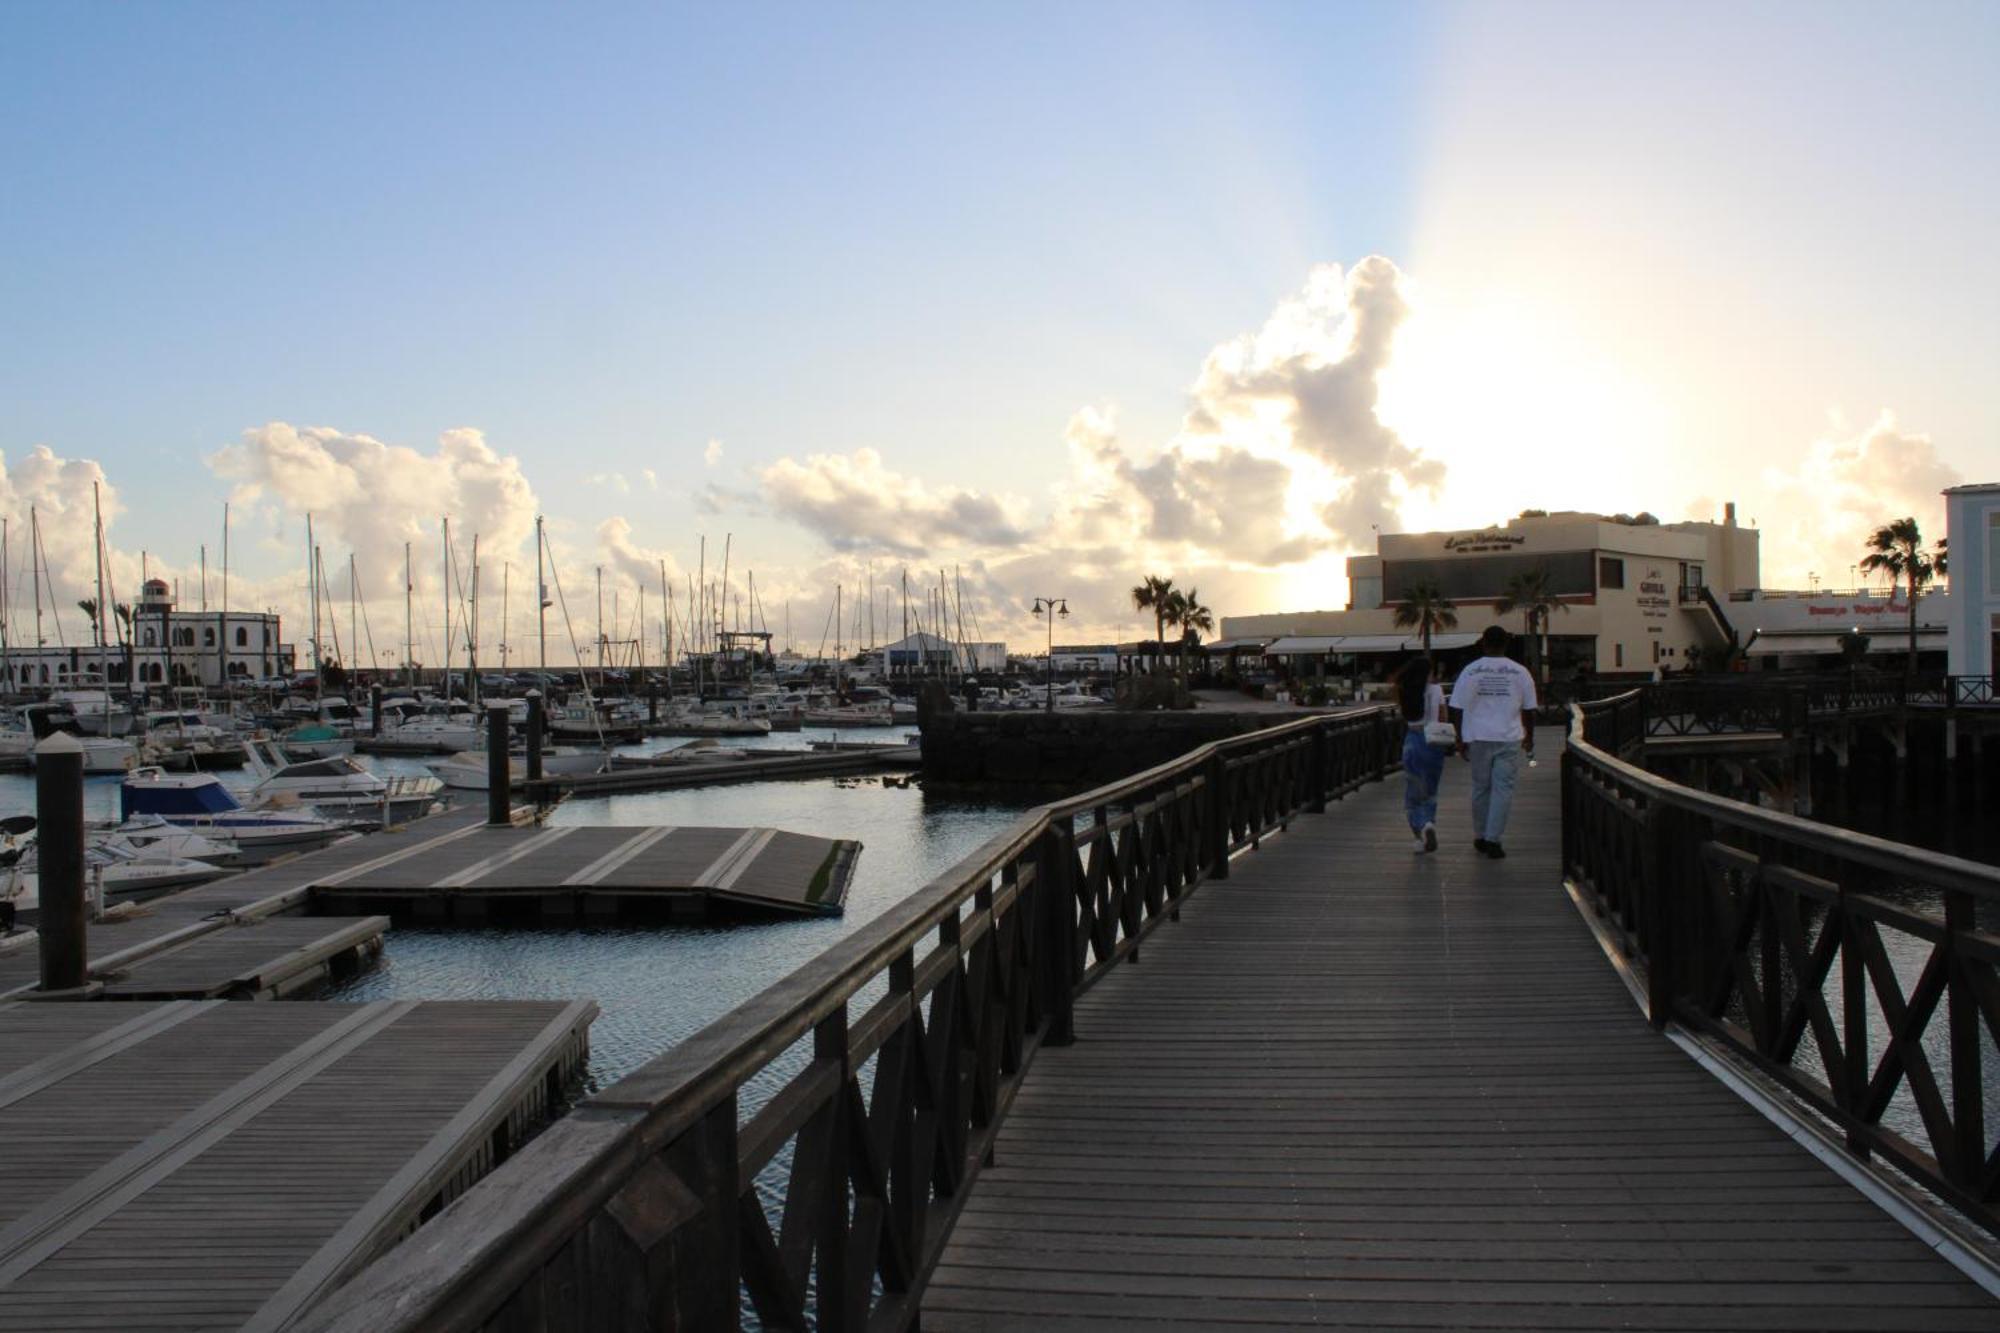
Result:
[[1493, 706]]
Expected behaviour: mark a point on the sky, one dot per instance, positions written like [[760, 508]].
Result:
[[1033, 300]]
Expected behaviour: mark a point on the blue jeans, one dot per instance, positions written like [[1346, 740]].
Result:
[[1423, 765], [1496, 769]]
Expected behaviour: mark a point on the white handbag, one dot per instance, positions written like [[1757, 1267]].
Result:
[[1441, 733]]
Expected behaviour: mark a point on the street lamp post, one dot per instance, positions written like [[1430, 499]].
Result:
[[1049, 608]]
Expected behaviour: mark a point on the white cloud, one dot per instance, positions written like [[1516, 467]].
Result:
[[854, 503], [1847, 485], [713, 453], [609, 480], [650, 477], [370, 497]]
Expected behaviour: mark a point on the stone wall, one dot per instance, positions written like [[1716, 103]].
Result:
[[1077, 749]]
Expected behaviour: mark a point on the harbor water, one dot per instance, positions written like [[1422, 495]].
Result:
[[657, 984]]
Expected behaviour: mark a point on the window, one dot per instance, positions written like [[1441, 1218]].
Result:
[[1690, 575], [1656, 652], [242, 637], [149, 638], [208, 637], [1610, 572], [184, 637], [1618, 654], [1992, 552]]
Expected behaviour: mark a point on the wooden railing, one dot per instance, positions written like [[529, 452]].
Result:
[[1781, 939], [684, 1197]]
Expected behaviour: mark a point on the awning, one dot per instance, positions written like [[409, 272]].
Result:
[[1885, 640], [1787, 645], [1366, 643], [1233, 645]]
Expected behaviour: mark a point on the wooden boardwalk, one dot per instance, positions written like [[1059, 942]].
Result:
[[1359, 1088], [202, 1165]]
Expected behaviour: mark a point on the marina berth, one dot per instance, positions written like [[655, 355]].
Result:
[[200, 803]]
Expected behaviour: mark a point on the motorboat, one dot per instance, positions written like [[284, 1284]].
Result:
[[178, 738], [155, 838], [199, 803], [115, 870], [603, 724], [467, 771], [337, 786], [101, 754], [96, 712], [706, 722], [315, 740]]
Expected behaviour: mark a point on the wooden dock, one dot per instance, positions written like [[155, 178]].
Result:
[[201, 1165], [567, 871], [1354, 1087]]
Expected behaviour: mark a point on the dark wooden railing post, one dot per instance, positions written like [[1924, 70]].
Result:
[[1854, 1023], [840, 1300], [1218, 818], [1660, 894], [664, 1252], [1967, 1167], [1319, 770], [1053, 878]]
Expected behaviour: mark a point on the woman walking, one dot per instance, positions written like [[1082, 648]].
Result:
[[1421, 699]]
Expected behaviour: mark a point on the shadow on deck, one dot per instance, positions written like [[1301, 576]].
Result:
[[1358, 1087]]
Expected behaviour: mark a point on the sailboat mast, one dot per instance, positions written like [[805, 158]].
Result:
[[409, 623], [353, 633], [35, 569], [667, 629], [97, 607], [312, 596], [472, 631], [541, 601], [600, 628], [506, 578], [446, 641]]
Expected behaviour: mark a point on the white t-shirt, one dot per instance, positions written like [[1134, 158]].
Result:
[[1492, 692]]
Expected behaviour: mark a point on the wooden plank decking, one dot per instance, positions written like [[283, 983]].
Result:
[[200, 1165], [1354, 1087]]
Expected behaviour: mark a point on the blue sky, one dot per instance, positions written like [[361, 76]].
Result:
[[606, 236]]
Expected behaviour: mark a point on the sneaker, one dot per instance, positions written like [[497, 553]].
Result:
[[1480, 845], [1430, 837], [1417, 845], [1496, 851]]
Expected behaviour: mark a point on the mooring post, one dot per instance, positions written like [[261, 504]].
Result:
[[499, 777], [374, 710], [652, 699], [534, 736], [59, 839]]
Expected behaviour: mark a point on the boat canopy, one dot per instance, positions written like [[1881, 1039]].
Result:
[[175, 796]]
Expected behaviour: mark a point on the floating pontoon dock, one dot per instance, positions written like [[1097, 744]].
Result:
[[201, 1165]]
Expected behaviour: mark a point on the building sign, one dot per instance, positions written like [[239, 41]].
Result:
[[1474, 543], [1845, 610], [1653, 600]]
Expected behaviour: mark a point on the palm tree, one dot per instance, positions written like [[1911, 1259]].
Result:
[[1156, 595], [1529, 593], [88, 606], [1427, 609], [1897, 550], [1194, 620]]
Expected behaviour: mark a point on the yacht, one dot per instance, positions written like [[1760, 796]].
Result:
[[114, 870], [199, 803], [96, 712], [466, 770], [338, 785], [101, 754]]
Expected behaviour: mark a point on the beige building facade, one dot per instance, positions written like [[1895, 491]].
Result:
[[1636, 594]]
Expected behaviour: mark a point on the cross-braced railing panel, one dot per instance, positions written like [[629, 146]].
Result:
[[1862, 974], [801, 1160]]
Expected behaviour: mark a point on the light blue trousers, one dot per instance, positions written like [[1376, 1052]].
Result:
[[1423, 765], [1496, 769]]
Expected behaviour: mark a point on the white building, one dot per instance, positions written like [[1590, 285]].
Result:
[[928, 654], [1636, 594], [1972, 526], [168, 647]]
